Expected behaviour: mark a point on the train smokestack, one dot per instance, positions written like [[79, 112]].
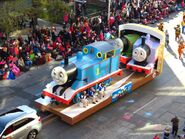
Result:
[[143, 39], [66, 61]]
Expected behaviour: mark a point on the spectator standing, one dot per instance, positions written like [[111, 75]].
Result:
[[180, 49], [184, 127], [66, 17], [178, 4], [183, 23], [175, 125], [167, 38]]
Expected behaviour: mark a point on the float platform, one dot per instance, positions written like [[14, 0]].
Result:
[[121, 85]]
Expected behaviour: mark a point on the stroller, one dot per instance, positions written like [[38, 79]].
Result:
[[167, 131]]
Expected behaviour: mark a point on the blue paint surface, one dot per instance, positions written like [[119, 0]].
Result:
[[127, 88], [148, 114], [94, 64], [130, 101]]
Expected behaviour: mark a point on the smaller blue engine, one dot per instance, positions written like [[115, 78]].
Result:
[[145, 50]]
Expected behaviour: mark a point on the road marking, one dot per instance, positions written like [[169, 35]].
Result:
[[145, 105], [3, 104], [147, 133]]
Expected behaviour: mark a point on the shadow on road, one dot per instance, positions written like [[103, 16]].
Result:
[[183, 63], [169, 49]]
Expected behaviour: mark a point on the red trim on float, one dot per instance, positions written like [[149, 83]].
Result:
[[61, 100], [148, 71], [124, 59], [139, 69]]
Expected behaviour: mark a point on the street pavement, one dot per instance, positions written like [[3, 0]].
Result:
[[140, 115], [26, 88]]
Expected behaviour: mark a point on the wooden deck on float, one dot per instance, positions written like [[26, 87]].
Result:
[[73, 113]]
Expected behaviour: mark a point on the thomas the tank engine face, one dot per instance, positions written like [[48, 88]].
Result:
[[59, 75], [139, 54]]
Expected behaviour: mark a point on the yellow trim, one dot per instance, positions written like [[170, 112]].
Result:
[[98, 55], [114, 52], [85, 50], [104, 56], [97, 71], [160, 58], [142, 28]]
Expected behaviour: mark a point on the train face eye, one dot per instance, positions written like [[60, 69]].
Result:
[[135, 54], [142, 55], [85, 50], [61, 75], [99, 55]]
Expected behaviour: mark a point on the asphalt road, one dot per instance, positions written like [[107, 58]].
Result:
[[137, 116]]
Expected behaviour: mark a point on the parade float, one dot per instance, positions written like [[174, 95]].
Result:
[[103, 72]]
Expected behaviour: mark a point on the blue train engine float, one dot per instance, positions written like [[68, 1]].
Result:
[[96, 64]]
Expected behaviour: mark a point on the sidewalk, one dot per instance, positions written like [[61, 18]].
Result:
[[43, 23]]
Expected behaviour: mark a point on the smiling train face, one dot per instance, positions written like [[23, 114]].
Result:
[[139, 54], [63, 75], [59, 75]]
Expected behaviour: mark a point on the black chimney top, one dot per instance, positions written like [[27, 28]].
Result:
[[66, 61], [143, 38]]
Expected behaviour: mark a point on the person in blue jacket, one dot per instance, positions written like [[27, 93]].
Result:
[[92, 95], [101, 89], [83, 99]]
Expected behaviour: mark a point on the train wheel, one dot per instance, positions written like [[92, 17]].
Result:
[[108, 82], [76, 99]]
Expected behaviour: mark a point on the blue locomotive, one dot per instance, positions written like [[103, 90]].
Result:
[[97, 62]]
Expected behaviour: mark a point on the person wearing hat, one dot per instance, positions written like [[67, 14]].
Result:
[[177, 32], [180, 49], [83, 99], [93, 95], [161, 26], [101, 88], [166, 134]]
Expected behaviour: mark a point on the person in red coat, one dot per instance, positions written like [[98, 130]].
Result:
[[66, 17], [111, 20], [101, 36], [156, 137]]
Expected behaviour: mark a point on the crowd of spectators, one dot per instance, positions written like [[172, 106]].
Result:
[[143, 11], [19, 54]]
